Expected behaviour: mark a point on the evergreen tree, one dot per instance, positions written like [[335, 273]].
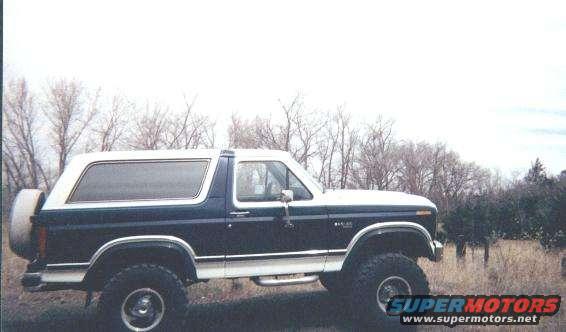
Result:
[[537, 173]]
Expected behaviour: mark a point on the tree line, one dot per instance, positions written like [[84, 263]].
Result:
[[43, 129]]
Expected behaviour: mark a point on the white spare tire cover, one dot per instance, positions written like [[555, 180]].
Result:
[[27, 203]]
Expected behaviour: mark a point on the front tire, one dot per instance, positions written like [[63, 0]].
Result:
[[142, 298], [380, 278]]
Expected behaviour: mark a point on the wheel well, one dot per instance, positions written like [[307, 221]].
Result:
[[109, 264], [408, 243]]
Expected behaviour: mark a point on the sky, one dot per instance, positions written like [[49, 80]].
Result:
[[488, 78]]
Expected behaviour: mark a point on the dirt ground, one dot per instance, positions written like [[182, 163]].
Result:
[[516, 267]]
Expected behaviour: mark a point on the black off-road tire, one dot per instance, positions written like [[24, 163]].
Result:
[[370, 274], [143, 276], [335, 283]]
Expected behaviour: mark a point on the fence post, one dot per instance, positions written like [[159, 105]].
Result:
[[485, 251], [460, 248]]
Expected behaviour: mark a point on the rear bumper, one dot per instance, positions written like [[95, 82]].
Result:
[[438, 251], [46, 280]]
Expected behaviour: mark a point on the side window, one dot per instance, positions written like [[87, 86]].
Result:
[[262, 181], [140, 180], [300, 192]]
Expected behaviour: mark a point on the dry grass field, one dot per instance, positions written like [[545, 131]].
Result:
[[516, 267]]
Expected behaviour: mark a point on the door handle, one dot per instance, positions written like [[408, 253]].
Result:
[[239, 213]]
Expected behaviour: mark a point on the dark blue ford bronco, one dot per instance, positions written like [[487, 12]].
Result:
[[140, 226]]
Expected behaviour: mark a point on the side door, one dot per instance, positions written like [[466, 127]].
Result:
[[261, 240]]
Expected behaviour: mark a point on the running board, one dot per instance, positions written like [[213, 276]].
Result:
[[284, 282]]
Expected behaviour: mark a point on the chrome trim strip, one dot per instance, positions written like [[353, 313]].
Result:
[[138, 224], [67, 265], [270, 218], [373, 214], [203, 269], [143, 238], [197, 258], [388, 224], [287, 253], [310, 217], [335, 262]]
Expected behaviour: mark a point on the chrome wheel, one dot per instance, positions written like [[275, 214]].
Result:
[[391, 287], [143, 310]]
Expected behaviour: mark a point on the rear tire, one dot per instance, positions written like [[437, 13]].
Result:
[[143, 297], [376, 281]]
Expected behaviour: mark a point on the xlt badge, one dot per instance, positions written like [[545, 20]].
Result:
[[343, 224]]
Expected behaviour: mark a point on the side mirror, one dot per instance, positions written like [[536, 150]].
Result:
[[286, 196]]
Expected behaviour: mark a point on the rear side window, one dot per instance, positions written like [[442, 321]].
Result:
[[140, 180]]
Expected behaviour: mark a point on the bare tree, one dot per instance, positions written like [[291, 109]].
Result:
[[308, 127], [160, 128], [241, 133], [189, 130], [280, 135], [22, 162], [415, 172], [111, 126], [326, 150], [70, 110], [378, 160], [286, 130], [336, 150], [148, 131], [296, 132], [347, 142]]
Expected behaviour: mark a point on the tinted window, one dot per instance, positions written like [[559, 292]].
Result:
[[141, 180], [262, 181], [300, 192]]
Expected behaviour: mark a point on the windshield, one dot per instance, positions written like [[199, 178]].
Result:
[[309, 175]]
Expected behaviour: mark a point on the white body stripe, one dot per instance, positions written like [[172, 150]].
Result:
[[267, 267]]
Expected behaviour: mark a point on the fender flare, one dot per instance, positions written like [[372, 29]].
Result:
[[163, 243], [384, 228]]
